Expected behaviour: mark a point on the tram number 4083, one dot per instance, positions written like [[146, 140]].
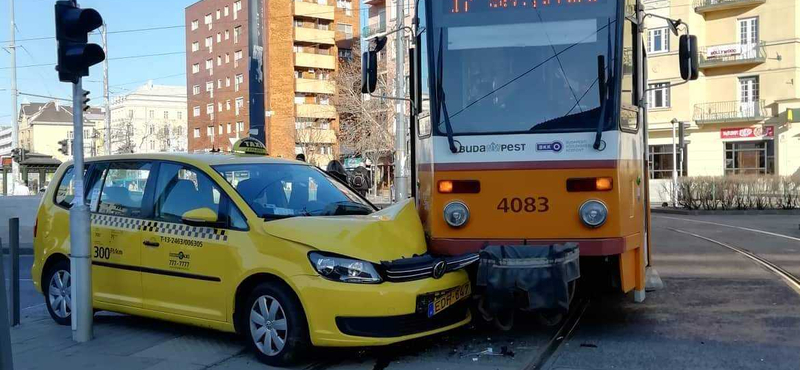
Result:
[[528, 205]]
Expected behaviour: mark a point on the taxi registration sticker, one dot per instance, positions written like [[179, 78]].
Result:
[[448, 298]]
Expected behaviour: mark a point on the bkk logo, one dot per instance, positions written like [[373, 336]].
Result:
[[555, 146], [488, 148]]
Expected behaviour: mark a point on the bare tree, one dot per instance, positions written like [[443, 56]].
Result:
[[122, 137], [365, 125], [311, 141]]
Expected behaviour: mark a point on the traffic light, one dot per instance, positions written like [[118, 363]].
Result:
[[75, 54], [85, 100], [64, 149], [19, 154]]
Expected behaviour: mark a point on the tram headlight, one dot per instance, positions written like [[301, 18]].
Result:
[[593, 213], [456, 214]]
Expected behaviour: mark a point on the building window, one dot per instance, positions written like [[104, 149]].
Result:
[[196, 90], [228, 104], [227, 82], [166, 114], [239, 126], [151, 114], [219, 106], [209, 86], [225, 12], [347, 29], [209, 63], [219, 131], [196, 111], [299, 98], [347, 5], [229, 127], [324, 100], [210, 131], [219, 60], [180, 115], [219, 37], [346, 54], [227, 34], [195, 46], [207, 20], [196, 132], [750, 158], [661, 162], [195, 24], [209, 108], [239, 105], [219, 13], [239, 80], [658, 40], [658, 97], [237, 56], [196, 68], [209, 42], [237, 31]]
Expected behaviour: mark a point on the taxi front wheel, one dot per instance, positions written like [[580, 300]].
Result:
[[276, 325], [58, 294]]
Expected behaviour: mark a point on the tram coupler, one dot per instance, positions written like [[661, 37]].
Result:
[[538, 278]]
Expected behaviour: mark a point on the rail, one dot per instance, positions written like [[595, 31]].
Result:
[[729, 111], [731, 54]]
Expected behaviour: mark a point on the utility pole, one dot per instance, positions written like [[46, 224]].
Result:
[[400, 168], [674, 164], [12, 49], [107, 139]]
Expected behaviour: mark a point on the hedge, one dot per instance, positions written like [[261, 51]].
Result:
[[738, 192]]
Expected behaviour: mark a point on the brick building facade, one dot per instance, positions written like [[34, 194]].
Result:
[[302, 42]]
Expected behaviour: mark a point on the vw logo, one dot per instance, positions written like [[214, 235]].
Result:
[[439, 269]]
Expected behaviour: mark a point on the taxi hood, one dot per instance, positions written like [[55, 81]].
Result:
[[392, 233]]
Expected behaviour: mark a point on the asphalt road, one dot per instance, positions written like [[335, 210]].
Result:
[[718, 310], [29, 297]]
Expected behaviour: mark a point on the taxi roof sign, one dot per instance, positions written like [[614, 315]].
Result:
[[249, 146]]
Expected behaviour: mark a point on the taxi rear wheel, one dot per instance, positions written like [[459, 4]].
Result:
[[276, 326], [58, 294]]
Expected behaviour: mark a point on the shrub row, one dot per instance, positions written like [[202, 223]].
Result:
[[738, 192]]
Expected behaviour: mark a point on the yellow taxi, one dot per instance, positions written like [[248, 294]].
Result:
[[276, 250]]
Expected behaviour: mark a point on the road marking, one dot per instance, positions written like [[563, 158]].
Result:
[[790, 279], [734, 227]]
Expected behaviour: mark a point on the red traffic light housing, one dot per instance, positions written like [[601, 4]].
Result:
[[75, 54]]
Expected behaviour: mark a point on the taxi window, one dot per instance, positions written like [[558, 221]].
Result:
[[180, 189], [123, 189], [65, 193]]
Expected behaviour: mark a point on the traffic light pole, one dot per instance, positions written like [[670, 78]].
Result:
[[12, 48], [79, 232]]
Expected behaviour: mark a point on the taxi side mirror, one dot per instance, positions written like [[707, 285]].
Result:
[[200, 217]]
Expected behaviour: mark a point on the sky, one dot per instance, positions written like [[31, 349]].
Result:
[[35, 19]]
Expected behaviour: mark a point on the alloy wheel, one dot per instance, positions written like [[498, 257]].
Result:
[[268, 325], [60, 294]]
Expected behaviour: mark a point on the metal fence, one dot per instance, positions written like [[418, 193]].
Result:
[[729, 111]]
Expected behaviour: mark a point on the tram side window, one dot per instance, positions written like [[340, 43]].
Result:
[[424, 128], [628, 65]]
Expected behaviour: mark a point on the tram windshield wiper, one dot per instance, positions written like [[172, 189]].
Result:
[[441, 98], [603, 88]]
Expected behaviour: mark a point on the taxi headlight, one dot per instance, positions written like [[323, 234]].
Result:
[[456, 214], [343, 269], [593, 213]]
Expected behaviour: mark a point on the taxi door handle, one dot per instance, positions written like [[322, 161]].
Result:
[[150, 244]]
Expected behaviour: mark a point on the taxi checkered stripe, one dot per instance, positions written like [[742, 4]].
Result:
[[159, 227]]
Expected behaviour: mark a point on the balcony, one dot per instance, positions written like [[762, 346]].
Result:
[[729, 111], [373, 29], [308, 85], [732, 55], [316, 136], [706, 6], [315, 111], [313, 35], [313, 10], [374, 2], [309, 60]]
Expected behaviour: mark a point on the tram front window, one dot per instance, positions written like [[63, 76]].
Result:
[[529, 67]]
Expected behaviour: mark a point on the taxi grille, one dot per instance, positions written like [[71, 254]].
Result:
[[421, 267], [397, 326]]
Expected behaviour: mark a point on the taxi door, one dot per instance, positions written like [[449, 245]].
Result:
[[187, 265], [115, 195]]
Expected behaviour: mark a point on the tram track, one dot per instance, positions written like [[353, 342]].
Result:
[[791, 280], [562, 335]]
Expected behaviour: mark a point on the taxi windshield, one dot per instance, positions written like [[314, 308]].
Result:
[[276, 191]]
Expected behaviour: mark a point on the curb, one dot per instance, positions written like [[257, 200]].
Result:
[[703, 212]]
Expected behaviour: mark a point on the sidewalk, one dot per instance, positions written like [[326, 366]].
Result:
[[123, 343]]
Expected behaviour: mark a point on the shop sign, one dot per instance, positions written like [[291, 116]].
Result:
[[720, 51], [765, 132]]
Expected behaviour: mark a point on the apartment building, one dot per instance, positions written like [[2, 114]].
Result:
[[151, 118], [43, 125], [302, 42], [737, 113]]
